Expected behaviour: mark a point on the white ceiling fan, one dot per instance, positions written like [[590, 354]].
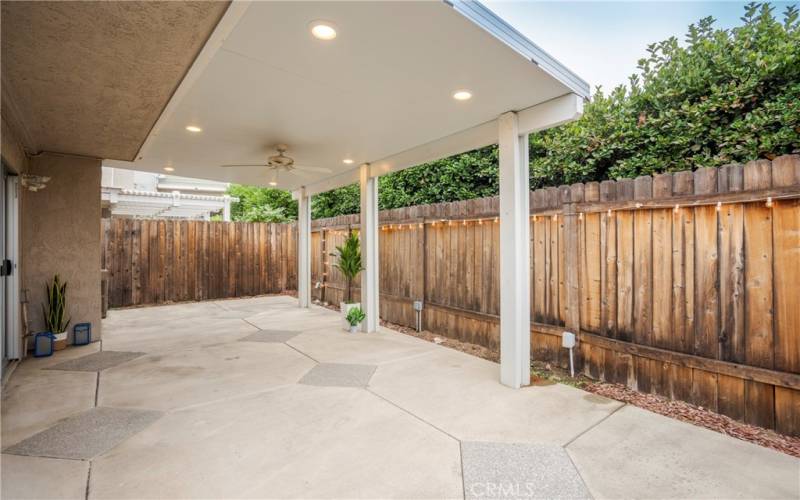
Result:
[[282, 163]]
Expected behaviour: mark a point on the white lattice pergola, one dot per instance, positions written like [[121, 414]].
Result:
[[134, 203]]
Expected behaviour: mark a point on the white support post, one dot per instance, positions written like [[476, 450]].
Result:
[[369, 249], [515, 321], [304, 249], [226, 209]]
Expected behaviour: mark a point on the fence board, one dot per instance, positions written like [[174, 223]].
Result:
[[163, 261]]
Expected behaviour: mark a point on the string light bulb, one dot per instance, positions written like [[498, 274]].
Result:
[[677, 207], [719, 206], [769, 201]]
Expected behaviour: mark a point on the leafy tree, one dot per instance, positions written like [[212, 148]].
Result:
[[264, 213], [257, 204], [725, 96]]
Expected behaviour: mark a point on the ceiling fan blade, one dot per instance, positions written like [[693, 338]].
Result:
[[321, 170], [247, 165], [300, 173]]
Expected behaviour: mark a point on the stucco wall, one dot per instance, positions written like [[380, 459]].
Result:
[[11, 149], [61, 234]]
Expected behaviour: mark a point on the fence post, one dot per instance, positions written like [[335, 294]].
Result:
[[572, 319], [422, 270], [323, 242]]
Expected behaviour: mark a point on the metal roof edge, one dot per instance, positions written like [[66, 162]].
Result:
[[500, 29]]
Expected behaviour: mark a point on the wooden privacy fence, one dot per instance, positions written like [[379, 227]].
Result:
[[685, 284], [160, 261]]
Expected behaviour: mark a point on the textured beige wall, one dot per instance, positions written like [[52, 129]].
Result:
[[11, 148], [61, 234]]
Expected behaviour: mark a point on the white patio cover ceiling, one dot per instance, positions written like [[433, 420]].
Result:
[[379, 93]]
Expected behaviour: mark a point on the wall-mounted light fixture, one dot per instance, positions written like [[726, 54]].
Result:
[[33, 182]]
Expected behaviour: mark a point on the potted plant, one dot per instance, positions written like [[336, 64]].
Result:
[[54, 313], [349, 263], [354, 318]]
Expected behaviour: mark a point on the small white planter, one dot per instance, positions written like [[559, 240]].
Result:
[[345, 308], [354, 328]]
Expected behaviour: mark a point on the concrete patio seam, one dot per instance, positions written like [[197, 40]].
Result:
[[301, 352], [285, 343], [578, 471], [407, 358], [229, 398], [416, 417], [96, 389], [71, 459], [618, 408], [461, 461], [88, 479]]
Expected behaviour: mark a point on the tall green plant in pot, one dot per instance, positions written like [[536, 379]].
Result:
[[54, 311], [349, 263]]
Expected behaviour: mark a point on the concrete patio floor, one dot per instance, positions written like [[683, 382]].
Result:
[[256, 398]]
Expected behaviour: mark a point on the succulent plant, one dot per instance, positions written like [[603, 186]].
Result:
[[56, 292]]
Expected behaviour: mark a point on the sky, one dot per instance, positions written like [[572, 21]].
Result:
[[602, 41]]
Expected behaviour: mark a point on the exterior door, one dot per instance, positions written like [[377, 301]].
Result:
[[3, 277], [10, 343]]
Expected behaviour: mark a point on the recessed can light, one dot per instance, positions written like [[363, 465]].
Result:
[[273, 183], [347, 161], [169, 169], [194, 128], [462, 95], [323, 30]]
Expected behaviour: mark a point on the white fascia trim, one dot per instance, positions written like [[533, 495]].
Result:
[[542, 116], [550, 114], [497, 27]]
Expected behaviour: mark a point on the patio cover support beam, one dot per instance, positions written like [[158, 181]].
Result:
[[515, 321], [542, 116], [369, 249], [304, 249]]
